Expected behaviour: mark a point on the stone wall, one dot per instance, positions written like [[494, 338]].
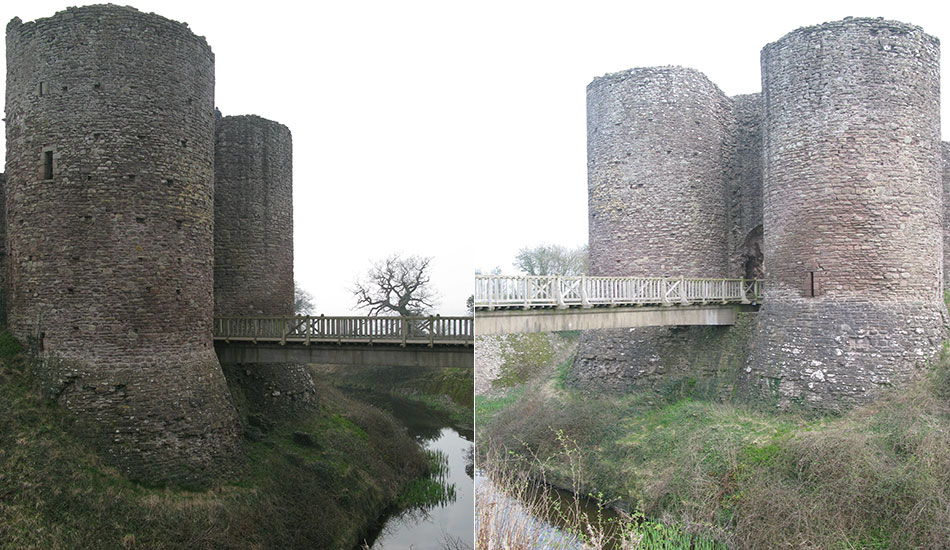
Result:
[[852, 210], [110, 143], [709, 360], [852, 162], [254, 219], [745, 189], [253, 252], [833, 190], [657, 140], [3, 251], [945, 174]]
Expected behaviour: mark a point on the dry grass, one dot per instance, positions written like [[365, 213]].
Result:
[[56, 493], [755, 478]]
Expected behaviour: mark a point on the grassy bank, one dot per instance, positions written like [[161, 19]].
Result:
[[316, 484], [444, 389], [752, 477]]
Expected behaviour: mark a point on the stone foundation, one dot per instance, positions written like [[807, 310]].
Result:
[[654, 358], [834, 355], [277, 391]]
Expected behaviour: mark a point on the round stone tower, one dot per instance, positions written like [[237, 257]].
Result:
[[657, 142], [852, 211], [254, 250], [109, 197]]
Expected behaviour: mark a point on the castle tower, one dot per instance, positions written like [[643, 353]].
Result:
[[657, 147], [852, 211], [254, 249], [662, 181], [109, 197]]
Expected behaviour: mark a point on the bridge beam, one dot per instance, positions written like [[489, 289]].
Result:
[[551, 320], [231, 353]]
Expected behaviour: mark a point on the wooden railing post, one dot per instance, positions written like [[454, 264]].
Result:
[[559, 298], [431, 330], [585, 302], [527, 293], [683, 299]]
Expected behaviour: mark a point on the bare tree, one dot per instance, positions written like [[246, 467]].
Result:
[[547, 259], [397, 285], [303, 301], [470, 305]]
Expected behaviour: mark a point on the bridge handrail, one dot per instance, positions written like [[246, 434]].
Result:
[[540, 291], [431, 330]]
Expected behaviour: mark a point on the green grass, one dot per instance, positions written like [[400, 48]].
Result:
[[314, 483], [488, 407], [749, 475]]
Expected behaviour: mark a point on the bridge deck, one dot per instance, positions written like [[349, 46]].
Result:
[[431, 331], [506, 304], [534, 292]]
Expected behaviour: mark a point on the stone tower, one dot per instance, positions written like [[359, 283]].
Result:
[[852, 211], [109, 197], [657, 147], [254, 249]]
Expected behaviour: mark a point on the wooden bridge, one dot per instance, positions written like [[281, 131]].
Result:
[[510, 304], [432, 341]]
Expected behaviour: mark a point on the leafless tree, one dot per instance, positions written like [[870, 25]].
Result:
[[397, 285], [303, 301]]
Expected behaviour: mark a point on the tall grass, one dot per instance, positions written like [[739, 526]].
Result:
[[515, 510], [750, 476], [315, 483]]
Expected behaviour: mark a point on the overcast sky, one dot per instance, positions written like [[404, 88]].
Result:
[[458, 129]]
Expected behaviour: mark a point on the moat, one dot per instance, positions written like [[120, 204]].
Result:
[[442, 525]]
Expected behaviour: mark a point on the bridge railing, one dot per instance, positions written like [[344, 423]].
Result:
[[429, 330], [527, 291]]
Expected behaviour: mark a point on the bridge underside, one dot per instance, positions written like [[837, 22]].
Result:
[[232, 353], [550, 320]]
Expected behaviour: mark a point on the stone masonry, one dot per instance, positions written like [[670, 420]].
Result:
[[656, 144], [832, 185], [110, 210], [253, 250]]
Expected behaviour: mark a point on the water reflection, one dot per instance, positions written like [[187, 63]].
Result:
[[448, 526]]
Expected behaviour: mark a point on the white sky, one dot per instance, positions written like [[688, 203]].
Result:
[[458, 129]]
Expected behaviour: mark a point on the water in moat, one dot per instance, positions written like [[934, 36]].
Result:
[[445, 526], [547, 526]]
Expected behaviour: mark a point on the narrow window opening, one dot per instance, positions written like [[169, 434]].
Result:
[[811, 275], [44, 88], [47, 165]]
